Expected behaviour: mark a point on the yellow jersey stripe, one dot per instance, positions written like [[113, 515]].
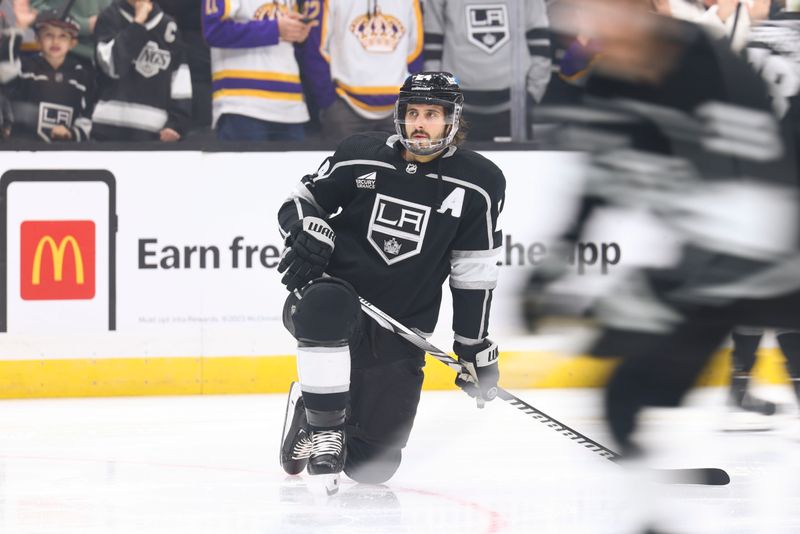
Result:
[[256, 75], [386, 90], [271, 95], [420, 33], [362, 105]]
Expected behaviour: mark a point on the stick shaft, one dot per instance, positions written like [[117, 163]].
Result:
[[390, 323]]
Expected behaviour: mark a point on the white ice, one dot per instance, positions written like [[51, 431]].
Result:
[[209, 465]]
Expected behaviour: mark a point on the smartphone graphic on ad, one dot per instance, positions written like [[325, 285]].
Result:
[[57, 251]]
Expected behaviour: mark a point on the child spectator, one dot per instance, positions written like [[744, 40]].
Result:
[[85, 13], [51, 90], [145, 90]]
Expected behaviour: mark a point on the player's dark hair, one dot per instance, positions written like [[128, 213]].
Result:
[[463, 130]]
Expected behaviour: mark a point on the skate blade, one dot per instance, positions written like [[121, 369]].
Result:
[[331, 484], [330, 481], [742, 421]]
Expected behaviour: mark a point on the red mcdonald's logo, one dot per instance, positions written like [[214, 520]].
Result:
[[57, 260]]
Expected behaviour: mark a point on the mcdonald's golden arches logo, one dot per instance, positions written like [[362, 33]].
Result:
[[57, 260]]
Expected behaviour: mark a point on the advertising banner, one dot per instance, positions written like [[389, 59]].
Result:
[[174, 254]]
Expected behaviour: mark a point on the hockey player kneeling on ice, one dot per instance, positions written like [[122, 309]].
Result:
[[387, 218]]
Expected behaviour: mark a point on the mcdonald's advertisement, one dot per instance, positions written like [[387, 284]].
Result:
[[55, 279], [174, 254]]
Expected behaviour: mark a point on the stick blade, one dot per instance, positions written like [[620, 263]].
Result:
[[705, 476]]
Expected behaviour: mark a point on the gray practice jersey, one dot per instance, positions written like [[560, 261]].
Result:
[[473, 39]]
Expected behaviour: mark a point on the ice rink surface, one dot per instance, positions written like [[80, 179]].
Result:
[[209, 465]]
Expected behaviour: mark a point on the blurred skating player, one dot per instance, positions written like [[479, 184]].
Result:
[[684, 147], [389, 218], [773, 49]]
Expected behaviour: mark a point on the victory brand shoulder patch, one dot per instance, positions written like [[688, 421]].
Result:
[[366, 181], [397, 228], [487, 26]]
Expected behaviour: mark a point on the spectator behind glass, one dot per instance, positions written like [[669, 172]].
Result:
[[257, 94], [50, 91], [473, 39], [85, 13], [365, 52], [145, 90], [188, 15]]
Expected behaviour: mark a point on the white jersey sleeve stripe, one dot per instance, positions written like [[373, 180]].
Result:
[[483, 311], [302, 192], [129, 115], [475, 272], [105, 58], [349, 162], [181, 86]]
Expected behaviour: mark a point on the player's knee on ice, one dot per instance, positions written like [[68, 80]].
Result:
[[369, 463], [325, 314]]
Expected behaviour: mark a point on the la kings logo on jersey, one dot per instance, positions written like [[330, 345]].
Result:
[[152, 59], [50, 116], [487, 26], [397, 228]]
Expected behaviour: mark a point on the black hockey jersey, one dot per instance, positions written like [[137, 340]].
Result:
[[43, 97], [402, 228], [145, 84]]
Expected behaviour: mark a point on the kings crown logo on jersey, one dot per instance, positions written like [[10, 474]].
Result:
[[392, 246], [270, 11], [152, 59], [378, 33], [397, 228], [487, 26]]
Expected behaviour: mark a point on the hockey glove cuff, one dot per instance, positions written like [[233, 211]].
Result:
[[480, 372], [309, 249]]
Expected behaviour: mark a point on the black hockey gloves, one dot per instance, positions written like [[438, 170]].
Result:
[[310, 245], [480, 374]]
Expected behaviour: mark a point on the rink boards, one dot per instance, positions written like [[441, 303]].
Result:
[[139, 273]]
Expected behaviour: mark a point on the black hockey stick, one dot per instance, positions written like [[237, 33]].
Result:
[[710, 476]]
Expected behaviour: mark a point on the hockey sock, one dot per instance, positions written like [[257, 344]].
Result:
[[325, 380], [790, 345], [745, 345]]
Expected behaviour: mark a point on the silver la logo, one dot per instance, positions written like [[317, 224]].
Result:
[[411, 168], [152, 60]]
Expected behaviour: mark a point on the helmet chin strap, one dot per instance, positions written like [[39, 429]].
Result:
[[414, 147], [435, 147]]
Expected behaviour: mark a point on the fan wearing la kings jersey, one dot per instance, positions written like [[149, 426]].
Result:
[[389, 218], [51, 91], [145, 89]]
